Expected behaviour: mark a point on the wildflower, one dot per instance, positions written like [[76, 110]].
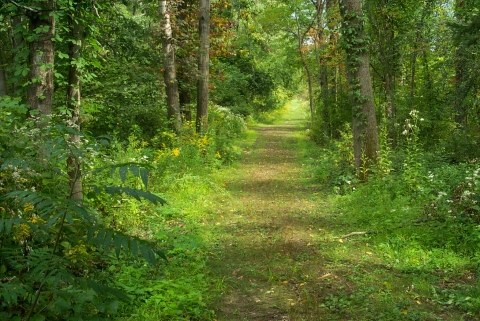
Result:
[[28, 207], [405, 132], [421, 119], [441, 194], [218, 155], [176, 152]]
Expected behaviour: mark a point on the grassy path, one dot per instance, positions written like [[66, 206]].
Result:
[[267, 260], [276, 254]]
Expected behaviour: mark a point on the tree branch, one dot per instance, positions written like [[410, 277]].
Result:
[[24, 7]]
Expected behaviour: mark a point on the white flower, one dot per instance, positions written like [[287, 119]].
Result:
[[405, 132], [421, 119]]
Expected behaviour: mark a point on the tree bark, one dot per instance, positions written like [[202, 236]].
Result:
[[169, 74], [74, 100], [323, 68], [3, 79], [365, 136], [300, 39], [17, 41], [203, 67], [42, 29]]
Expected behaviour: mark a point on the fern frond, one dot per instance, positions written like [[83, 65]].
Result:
[[135, 193], [138, 170], [105, 238]]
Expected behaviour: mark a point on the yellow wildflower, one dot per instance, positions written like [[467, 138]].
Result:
[[176, 152], [23, 230], [28, 207], [36, 219], [218, 155]]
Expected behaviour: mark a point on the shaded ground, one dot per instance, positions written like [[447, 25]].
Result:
[[267, 253], [274, 251]]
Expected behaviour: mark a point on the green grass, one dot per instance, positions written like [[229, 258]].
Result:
[[275, 251], [260, 239]]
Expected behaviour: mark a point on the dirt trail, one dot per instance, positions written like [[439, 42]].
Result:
[[266, 260]]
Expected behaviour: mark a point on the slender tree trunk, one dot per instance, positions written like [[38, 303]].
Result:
[[300, 38], [17, 41], [323, 72], [461, 77], [418, 38], [40, 90], [203, 67], [310, 89], [183, 72], [3, 79], [365, 136], [170, 77], [74, 100], [461, 88]]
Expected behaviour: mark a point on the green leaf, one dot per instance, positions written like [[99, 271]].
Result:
[[123, 173], [37, 317], [108, 239], [147, 253], [102, 289], [144, 176], [133, 245], [136, 193], [118, 242]]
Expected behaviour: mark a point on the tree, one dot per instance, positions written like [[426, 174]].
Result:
[[365, 136], [203, 66], [3, 80], [74, 95], [170, 76], [42, 31]]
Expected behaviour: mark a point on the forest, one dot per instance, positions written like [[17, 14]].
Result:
[[239, 160]]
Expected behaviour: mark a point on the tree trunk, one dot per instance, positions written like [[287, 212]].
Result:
[[184, 72], [3, 80], [365, 136], [323, 74], [40, 90], [461, 76], [418, 38], [203, 67], [17, 41], [74, 100], [170, 77], [300, 39], [310, 89]]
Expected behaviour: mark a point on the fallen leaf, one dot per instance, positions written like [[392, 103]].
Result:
[[369, 253], [340, 240], [284, 282]]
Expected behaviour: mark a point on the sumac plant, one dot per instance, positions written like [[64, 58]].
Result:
[[54, 249]]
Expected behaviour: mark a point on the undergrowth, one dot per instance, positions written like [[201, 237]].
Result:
[[418, 212], [130, 249]]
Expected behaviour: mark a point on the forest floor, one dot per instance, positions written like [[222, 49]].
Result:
[[275, 247]]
